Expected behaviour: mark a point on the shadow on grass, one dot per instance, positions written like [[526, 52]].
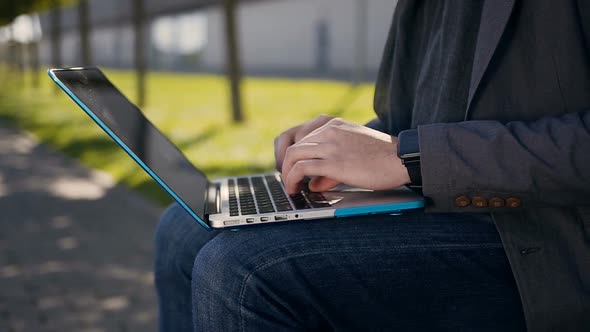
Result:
[[200, 138], [106, 148]]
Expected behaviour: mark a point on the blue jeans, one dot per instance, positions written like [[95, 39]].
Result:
[[413, 272]]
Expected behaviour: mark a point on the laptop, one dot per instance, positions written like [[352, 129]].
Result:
[[226, 203]]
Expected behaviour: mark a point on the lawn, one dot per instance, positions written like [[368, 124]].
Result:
[[193, 110]]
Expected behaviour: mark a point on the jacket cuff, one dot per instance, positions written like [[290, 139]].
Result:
[[446, 181], [435, 166]]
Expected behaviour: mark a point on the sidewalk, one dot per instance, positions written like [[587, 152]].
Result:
[[75, 250]]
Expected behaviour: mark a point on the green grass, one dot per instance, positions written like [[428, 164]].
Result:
[[193, 110]]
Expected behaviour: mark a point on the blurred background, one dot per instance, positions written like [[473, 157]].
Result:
[[220, 78]]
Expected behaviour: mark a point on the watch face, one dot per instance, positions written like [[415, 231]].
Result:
[[408, 144]]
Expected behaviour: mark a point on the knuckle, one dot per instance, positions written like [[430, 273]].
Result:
[[289, 151], [331, 130], [299, 166], [304, 167]]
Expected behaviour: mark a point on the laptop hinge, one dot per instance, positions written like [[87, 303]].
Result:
[[213, 202]]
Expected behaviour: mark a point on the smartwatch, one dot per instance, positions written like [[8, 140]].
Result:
[[408, 150]]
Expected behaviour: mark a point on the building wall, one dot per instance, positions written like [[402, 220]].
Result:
[[290, 37], [283, 35]]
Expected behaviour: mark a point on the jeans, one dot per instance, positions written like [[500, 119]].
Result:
[[412, 272]]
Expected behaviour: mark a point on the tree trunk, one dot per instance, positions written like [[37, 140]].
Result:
[[360, 66], [233, 59], [84, 21], [56, 35], [15, 59], [34, 57], [140, 67], [11, 45], [140, 56]]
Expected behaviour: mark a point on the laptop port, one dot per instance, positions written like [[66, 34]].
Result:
[[250, 220], [263, 218], [281, 217]]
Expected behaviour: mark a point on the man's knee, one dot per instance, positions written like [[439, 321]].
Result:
[[241, 279], [225, 263], [221, 272], [221, 258]]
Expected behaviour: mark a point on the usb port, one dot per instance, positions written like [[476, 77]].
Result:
[[250, 220], [283, 217], [263, 218]]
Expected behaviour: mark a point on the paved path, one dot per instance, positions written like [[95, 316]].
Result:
[[75, 250]]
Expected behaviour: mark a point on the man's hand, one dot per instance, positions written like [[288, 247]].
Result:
[[294, 135], [344, 152]]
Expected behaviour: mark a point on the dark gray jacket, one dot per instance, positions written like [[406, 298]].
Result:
[[523, 152]]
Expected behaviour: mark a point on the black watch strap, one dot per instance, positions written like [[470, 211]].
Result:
[[409, 152], [414, 172]]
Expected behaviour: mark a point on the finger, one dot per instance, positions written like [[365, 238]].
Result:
[[322, 183], [309, 167], [294, 135], [302, 151], [282, 142]]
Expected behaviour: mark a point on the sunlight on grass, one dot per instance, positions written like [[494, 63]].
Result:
[[193, 110]]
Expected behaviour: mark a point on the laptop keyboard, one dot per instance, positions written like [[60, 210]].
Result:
[[264, 194]]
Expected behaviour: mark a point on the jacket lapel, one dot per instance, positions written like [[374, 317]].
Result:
[[494, 17]]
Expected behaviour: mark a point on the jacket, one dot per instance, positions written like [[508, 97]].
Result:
[[522, 153]]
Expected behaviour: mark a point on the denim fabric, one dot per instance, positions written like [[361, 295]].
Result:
[[413, 272], [178, 240]]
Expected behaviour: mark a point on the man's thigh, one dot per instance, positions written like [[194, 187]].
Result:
[[408, 272]]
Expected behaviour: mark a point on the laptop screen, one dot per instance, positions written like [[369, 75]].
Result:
[[134, 130]]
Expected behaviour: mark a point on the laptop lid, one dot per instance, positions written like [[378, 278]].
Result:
[[129, 128]]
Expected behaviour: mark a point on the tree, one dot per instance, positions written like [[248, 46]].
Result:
[[12, 8], [141, 68], [56, 35], [140, 56], [233, 59], [360, 66], [84, 21]]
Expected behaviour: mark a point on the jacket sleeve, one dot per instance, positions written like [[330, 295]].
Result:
[[376, 124], [540, 163]]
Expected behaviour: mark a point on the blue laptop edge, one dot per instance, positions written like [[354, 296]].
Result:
[[128, 151]]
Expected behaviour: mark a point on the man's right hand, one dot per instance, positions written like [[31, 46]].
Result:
[[294, 135]]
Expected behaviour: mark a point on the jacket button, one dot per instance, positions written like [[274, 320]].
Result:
[[462, 201], [497, 202], [479, 202], [513, 202]]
